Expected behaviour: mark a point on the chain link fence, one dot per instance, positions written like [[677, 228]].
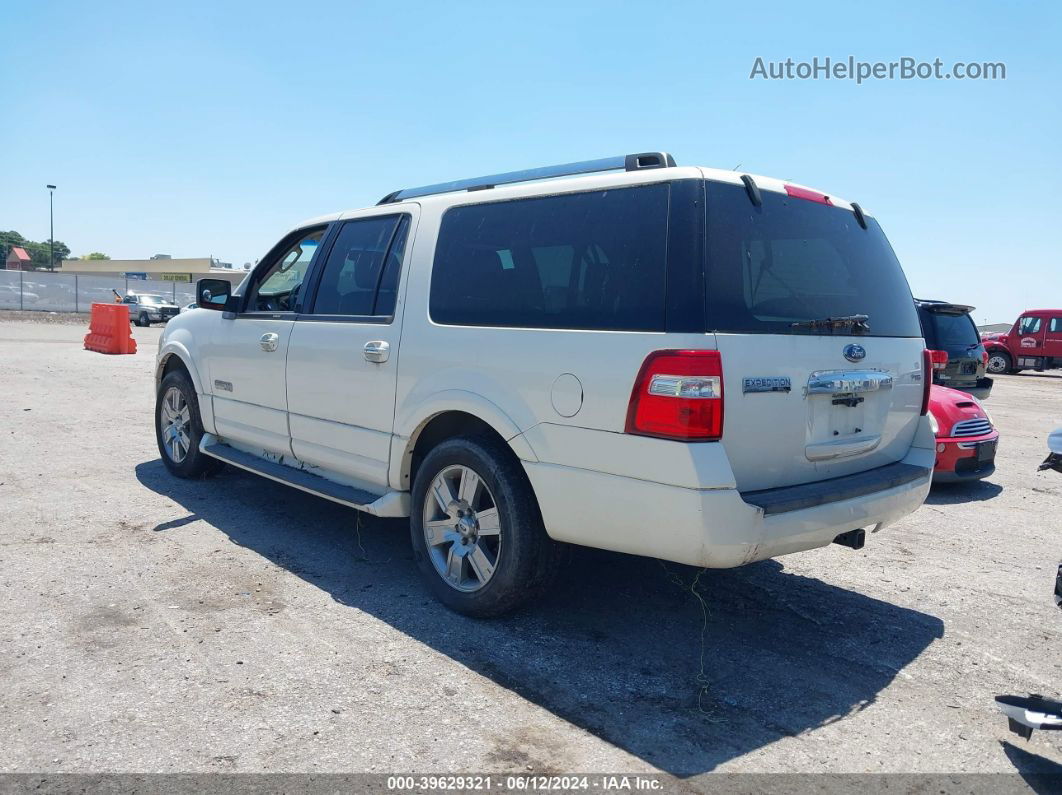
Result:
[[41, 291]]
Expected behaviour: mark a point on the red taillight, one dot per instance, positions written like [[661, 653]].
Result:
[[939, 359], [810, 195], [984, 358], [927, 379], [678, 395]]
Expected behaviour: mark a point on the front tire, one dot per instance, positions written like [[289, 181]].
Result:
[[476, 529], [179, 429], [999, 362]]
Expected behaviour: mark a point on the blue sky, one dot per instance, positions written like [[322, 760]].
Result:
[[210, 128]]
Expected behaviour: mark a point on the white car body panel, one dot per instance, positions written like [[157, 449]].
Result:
[[560, 399], [253, 409], [341, 407]]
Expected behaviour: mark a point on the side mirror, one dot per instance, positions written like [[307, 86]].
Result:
[[213, 293]]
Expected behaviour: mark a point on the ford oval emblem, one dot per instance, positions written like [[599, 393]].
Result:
[[855, 353]]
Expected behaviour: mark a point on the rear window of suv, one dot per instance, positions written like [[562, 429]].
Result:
[[948, 330], [594, 260], [792, 260]]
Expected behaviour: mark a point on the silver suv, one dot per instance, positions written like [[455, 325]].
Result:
[[148, 308]]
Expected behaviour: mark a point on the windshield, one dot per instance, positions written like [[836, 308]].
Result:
[[790, 261], [151, 299]]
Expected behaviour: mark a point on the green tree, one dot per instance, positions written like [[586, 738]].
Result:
[[9, 239], [94, 255], [40, 251]]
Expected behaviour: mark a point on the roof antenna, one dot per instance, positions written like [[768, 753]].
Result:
[[735, 168]]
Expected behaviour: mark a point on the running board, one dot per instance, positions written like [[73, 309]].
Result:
[[392, 504]]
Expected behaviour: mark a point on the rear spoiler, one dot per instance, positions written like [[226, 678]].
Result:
[[946, 309]]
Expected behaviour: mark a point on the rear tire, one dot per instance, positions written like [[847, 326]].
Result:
[[999, 362], [179, 429], [489, 552], [143, 320]]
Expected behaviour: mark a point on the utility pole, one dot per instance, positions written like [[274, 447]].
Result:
[[51, 228]]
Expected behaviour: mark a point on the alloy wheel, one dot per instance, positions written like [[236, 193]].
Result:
[[175, 419], [462, 528]]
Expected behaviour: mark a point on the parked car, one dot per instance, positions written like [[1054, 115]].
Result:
[[512, 363], [959, 359], [189, 307], [966, 438], [1033, 343], [147, 308]]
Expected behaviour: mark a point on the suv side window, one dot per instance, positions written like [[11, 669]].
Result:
[[278, 288], [387, 294], [1029, 325], [360, 276], [594, 260], [1056, 325]]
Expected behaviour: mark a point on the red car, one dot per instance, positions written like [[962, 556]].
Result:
[[966, 438]]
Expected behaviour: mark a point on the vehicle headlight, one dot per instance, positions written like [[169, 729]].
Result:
[[933, 424]]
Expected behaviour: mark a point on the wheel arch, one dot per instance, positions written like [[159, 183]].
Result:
[[455, 413], [174, 355]]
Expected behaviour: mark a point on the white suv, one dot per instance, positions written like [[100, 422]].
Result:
[[684, 363]]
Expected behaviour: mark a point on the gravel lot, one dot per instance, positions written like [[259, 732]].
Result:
[[151, 624]]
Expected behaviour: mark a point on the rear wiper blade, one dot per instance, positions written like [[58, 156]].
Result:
[[858, 323]]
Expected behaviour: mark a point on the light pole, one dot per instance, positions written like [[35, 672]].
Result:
[[51, 228]]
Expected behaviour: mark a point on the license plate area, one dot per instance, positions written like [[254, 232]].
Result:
[[847, 410], [986, 451]]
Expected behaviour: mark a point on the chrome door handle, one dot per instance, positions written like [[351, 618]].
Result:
[[376, 351], [269, 342]]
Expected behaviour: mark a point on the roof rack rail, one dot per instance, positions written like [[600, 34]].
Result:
[[635, 162]]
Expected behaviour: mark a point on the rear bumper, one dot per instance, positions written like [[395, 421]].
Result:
[[823, 492], [718, 528], [980, 389]]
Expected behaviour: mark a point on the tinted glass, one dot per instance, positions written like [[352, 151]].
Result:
[[944, 331], [1056, 324], [352, 272], [793, 260], [388, 292], [588, 261]]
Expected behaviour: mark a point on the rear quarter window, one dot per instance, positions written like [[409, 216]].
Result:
[[594, 260]]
